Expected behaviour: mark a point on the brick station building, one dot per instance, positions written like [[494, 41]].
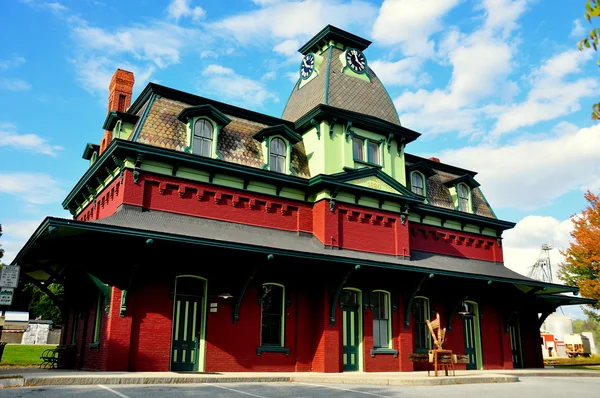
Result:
[[207, 237]]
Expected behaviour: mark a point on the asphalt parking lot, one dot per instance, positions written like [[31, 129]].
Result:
[[547, 387]]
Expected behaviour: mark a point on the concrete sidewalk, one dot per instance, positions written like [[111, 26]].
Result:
[[41, 377]]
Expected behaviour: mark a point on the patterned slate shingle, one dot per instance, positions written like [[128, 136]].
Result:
[[235, 142]]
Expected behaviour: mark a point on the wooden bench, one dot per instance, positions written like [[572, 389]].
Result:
[[443, 358]]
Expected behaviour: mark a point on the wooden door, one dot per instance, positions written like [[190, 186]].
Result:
[[187, 324], [351, 331]]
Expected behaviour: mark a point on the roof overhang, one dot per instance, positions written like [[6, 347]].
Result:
[[422, 168], [114, 116], [280, 129], [464, 179], [89, 150], [204, 110], [45, 249], [332, 114], [331, 33]]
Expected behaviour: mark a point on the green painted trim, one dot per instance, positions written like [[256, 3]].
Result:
[[281, 130], [331, 33], [423, 178], [477, 332], [390, 340], [114, 116], [240, 296], [142, 120], [327, 71], [411, 298], [360, 358], [422, 168], [266, 348], [466, 179], [439, 165], [462, 216], [89, 151], [94, 346], [97, 320], [384, 351], [336, 296], [87, 226], [192, 100], [205, 110], [325, 112], [566, 300], [283, 307]]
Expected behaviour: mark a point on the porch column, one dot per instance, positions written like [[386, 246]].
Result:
[[118, 335]]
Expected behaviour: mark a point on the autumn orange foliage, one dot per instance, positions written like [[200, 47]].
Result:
[[581, 267]]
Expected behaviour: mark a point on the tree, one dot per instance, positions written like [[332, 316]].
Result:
[[581, 267], [588, 325], [592, 10], [41, 306]]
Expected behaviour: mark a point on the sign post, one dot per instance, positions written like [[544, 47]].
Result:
[[9, 281]]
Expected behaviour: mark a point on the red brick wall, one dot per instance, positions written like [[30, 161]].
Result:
[[494, 340], [106, 203], [454, 243], [94, 358], [152, 312]]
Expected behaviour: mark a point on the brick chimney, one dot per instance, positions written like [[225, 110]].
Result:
[[434, 159], [119, 98]]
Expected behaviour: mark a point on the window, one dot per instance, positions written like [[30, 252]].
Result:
[[373, 152], [203, 137], [416, 184], [98, 320], [272, 305], [421, 314], [381, 320], [358, 146], [463, 197], [277, 153]]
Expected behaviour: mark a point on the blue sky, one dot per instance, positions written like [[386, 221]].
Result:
[[496, 86]]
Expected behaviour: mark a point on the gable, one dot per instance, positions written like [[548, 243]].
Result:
[[373, 182]]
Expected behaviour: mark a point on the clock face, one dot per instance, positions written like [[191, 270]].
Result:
[[307, 66], [356, 60]]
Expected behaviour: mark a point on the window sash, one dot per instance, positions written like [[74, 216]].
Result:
[[421, 311], [277, 163], [463, 198], [380, 333], [373, 152], [416, 183], [381, 315], [272, 306], [358, 148], [202, 146]]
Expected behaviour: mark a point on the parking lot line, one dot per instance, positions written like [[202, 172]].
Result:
[[113, 391], [343, 389], [233, 389]]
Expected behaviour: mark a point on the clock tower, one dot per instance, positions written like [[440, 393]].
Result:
[[334, 71]]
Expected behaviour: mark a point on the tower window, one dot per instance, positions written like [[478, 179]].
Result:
[[416, 184], [277, 153], [203, 137]]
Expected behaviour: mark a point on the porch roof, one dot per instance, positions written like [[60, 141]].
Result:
[[158, 225]]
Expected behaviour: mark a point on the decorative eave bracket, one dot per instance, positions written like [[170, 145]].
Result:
[[411, 298]]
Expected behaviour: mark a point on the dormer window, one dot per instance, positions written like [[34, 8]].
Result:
[[203, 137], [204, 123], [463, 198], [277, 142], [277, 153], [417, 185]]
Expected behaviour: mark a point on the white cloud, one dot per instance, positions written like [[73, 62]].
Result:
[[288, 47], [229, 86], [525, 174], [15, 234], [29, 142], [522, 244], [551, 94], [31, 188], [182, 8], [405, 72], [502, 15], [410, 23], [578, 30], [290, 20], [9, 84], [11, 62]]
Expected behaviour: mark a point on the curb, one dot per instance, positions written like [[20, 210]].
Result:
[[11, 381], [439, 381], [73, 381], [567, 373]]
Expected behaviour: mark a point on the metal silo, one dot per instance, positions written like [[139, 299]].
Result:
[[559, 325]]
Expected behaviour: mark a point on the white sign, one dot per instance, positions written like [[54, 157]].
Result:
[[9, 276], [6, 295]]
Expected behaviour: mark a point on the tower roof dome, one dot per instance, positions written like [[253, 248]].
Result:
[[333, 83]]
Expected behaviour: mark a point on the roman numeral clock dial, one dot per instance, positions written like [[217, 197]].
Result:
[[307, 66], [356, 60]]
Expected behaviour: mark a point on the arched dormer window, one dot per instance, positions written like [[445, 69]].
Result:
[[463, 198], [204, 123], [417, 183], [277, 155], [277, 142], [203, 137]]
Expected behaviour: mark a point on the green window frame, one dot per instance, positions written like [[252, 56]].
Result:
[[98, 319], [366, 150], [272, 301], [417, 183], [463, 194], [203, 135], [382, 316], [277, 155], [421, 313]]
